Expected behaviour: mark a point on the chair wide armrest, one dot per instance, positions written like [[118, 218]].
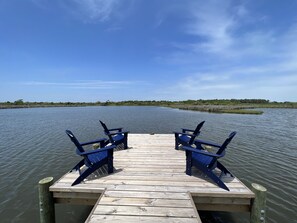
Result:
[[115, 133], [203, 152], [115, 129], [187, 130], [182, 133], [198, 141], [92, 142], [98, 150]]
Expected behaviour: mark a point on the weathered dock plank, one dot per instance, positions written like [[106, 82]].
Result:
[[105, 200], [144, 206], [149, 184], [137, 219]]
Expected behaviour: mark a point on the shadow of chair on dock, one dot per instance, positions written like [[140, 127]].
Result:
[[102, 172], [199, 174]]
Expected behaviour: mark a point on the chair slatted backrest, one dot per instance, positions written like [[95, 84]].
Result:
[[196, 132], [226, 143], [106, 131], [75, 141], [221, 151]]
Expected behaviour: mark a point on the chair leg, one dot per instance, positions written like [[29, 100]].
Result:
[[223, 168], [84, 175], [176, 141], [89, 171], [78, 166], [212, 176], [189, 163], [125, 140], [110, 161]]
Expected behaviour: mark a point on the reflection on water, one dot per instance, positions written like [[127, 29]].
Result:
[[33, 145]]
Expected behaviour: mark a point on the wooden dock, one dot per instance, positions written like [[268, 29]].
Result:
[[150, 185]]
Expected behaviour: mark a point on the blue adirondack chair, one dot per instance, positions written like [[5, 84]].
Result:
[[187, 136], [93, 159], [206, 161], [116, 136]]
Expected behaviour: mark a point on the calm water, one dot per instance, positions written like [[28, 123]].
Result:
[[33, 145]]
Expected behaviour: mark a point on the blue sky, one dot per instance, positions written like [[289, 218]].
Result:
[[98, 50]]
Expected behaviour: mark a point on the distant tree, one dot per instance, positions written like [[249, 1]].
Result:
[[19, 102], [106, 103]]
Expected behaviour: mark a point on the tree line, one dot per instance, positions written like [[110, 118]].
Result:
[[200, 102]]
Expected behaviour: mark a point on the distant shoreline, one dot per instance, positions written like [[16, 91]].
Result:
[[235, 106]]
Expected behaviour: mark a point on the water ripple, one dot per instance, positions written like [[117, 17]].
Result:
[[34, 145]]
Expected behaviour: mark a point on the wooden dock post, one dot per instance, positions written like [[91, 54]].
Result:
[[258, 206], [46, 201]]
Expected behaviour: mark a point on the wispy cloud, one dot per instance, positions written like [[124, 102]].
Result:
[[212, 26], [207, 81], [233, 54], [211, 21], [100, 10], [269, 82], [223, 29], [93, 84], [87, 10]]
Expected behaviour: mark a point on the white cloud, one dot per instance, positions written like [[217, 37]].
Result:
[[100, 10], [235, 55], [214, 25], [93, 84], [89, 10], [225, 29], [200, 85], [92, 11], [211, 21], [249, 82]]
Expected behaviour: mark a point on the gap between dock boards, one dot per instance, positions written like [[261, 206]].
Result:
[[149, 184], [147, 207]]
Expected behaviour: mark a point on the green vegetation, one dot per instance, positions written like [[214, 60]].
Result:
[[21, 104], [238, 106], [243, 111]]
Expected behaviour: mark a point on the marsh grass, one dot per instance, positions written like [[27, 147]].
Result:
[[243, 111]]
